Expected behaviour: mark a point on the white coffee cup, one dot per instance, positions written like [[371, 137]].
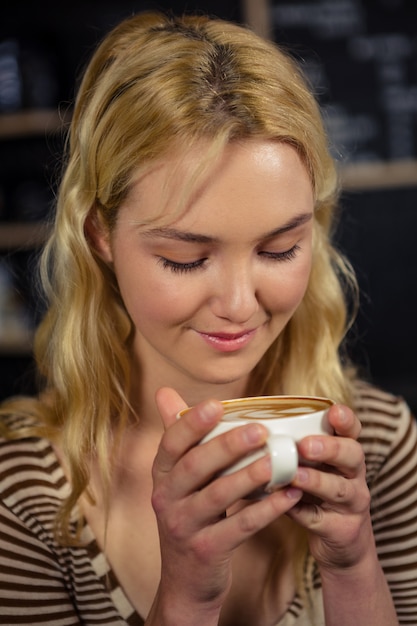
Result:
[[287, 418]]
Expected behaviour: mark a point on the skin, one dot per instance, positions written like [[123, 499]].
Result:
[[222, 281], [208, 294]]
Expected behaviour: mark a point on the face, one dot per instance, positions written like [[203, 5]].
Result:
[[209, 293]]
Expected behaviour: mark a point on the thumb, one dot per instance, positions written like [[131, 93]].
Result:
[[169, 403]]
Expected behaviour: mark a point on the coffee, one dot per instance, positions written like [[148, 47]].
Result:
[[281, 407]]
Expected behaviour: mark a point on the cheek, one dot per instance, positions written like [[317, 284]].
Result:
[[152, 300], [290, 287]]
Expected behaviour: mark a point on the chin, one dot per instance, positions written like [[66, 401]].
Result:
[[224, 378]]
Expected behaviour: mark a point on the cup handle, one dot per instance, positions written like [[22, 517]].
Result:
[[284, 460]]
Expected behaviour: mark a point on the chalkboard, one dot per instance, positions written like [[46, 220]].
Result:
[[377, 233], [361, 59]]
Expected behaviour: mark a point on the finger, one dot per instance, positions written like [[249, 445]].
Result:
[[339, 513], [225, 490], [324, 486], [186, 432], [208, 505], [169, 403], [223, 534], [254, 516], [332, 491], [344, 455], [344, 421], [202, 463]]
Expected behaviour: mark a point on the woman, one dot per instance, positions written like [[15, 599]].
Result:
[[189, 262]]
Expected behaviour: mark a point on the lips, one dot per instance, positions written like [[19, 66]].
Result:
[[228, 342]]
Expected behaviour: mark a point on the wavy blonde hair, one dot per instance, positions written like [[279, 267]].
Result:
[[158, 84]]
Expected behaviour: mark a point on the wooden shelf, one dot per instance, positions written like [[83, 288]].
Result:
[[354, 177], [31, 123], [22, 236], [16, 347], [367, 176]]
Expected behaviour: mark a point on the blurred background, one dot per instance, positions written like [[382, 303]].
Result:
[[361, 59]]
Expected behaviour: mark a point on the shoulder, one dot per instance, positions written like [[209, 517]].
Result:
[[48, 579], [383, 416], [389, 434], [31, 477], [371, 401], [389, 439]]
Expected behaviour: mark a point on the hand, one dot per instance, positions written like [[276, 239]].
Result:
[[335, 508], [190, 500]]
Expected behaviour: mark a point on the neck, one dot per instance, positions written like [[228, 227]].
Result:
[[192, 391]]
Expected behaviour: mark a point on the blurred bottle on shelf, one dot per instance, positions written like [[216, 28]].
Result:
[[28, 76]]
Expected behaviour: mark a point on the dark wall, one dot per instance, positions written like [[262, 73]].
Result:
[[56, 38], [378, 232]]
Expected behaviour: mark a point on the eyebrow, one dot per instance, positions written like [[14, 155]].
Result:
[[180, 235]]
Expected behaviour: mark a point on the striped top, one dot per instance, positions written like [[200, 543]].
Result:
[[42, 582]]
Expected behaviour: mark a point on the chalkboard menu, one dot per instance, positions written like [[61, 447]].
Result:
[[361, 58]]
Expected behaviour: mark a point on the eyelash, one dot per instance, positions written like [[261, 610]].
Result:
[[287, 255], [183, 268]]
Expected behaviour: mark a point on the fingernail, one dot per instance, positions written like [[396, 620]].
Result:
[[302, 475], [267, 462], [342, 414], [293, 493], [253, 434], [209, 412], [315, 447]]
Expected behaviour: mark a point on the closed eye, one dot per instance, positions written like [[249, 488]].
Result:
[[286, 255], [177, 267]]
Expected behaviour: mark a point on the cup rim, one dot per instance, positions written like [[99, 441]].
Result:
[[256, 401]]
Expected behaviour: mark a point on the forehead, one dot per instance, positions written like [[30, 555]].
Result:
[[189, 186]]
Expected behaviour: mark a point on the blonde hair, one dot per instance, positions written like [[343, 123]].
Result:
[[158, 84]]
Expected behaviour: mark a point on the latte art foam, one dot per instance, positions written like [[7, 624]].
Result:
[[281, 407]]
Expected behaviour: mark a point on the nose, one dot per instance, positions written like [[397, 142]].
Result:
[[235, 295]]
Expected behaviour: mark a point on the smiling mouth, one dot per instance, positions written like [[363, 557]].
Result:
[[228, 342]]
